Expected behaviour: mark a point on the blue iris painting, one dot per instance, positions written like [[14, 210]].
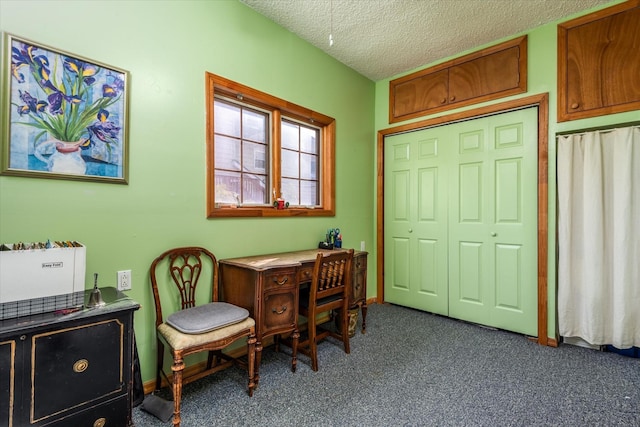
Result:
[[68, 115]]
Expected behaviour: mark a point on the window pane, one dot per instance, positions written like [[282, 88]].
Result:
[[254, 125], [254, 158], [226, 119], [309, 193], [291, 191], [227, 187], [290, 135], [290, 167], [254, 189], [308, 140], [308, 166], [227, 153]]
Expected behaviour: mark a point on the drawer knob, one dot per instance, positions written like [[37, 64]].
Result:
[[282, 310], [100, 422], [575, 105], [280, 282], [80, 365]]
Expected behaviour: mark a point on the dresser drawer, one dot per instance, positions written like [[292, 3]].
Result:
[[280, 279], [280, 310], [109, 414]]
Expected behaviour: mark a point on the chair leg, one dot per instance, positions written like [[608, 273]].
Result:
[[210, 358], [159, 363], [345, 328], [313, 345], [251, 362], [295, 338], [177, 368]]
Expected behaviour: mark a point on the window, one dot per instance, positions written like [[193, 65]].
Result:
[[260, 148]]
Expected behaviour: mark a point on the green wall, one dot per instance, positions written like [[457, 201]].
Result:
[[542, 78], [167, 46]]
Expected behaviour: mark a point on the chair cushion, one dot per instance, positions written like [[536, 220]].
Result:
[[181, 341], [207, 317]]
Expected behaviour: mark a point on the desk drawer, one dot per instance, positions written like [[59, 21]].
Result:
[[280, 311], [282, 278], [305, 273]]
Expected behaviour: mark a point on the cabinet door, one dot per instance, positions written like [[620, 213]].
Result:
[[485, 76], [420, 94], [598, 65], [7, 381], [76, 366]]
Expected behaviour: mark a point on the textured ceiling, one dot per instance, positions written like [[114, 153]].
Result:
[[382, 38]]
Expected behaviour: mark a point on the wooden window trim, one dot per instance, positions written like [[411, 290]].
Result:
[[216, 85]]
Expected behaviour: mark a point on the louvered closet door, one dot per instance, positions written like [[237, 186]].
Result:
[[461, 223]]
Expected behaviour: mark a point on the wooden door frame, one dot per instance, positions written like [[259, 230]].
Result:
[[542, 102]]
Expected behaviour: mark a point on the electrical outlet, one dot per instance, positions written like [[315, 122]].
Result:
[[362, 245], [124, 280]]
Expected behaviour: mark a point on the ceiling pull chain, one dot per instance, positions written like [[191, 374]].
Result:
[[331, 23]]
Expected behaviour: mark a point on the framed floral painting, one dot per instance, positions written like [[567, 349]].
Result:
[[63, 116]]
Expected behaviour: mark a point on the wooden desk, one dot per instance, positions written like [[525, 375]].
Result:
[[267, 286]]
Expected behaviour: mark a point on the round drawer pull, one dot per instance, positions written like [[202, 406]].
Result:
[[80, 365], [100, 422]]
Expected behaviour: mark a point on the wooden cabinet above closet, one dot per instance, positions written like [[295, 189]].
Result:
[[599, 63], [490, 73]]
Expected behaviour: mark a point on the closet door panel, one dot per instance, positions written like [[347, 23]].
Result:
[[416, 221]]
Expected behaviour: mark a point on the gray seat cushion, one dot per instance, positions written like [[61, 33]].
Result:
[[207, 317]]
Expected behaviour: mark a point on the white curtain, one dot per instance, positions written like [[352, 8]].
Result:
[[599, 236]]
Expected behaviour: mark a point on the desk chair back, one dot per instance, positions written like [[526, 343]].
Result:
[[328, 292]]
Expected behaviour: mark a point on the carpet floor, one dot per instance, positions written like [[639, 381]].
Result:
[[413, 368]]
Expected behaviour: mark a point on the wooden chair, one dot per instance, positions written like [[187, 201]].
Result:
[[328, 292], [195, 328]]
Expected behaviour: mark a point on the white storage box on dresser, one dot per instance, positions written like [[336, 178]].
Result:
[[39, 280]]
